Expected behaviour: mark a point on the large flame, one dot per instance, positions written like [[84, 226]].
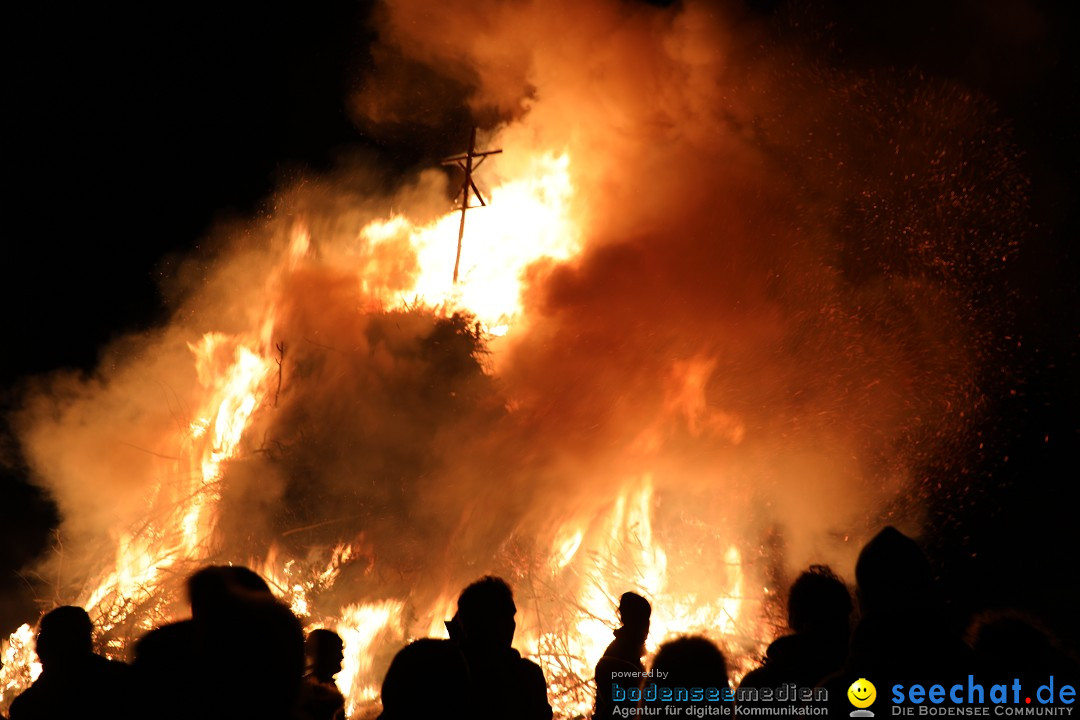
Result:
[[600, 558], [527, 220], [717, 311]]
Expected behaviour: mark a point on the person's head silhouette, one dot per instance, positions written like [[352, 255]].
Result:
[[325, 651], [892, 572], [634, 610], [214, 588], [818, 601], [690, 661], [635, 613], [485, 612], [65, 637]]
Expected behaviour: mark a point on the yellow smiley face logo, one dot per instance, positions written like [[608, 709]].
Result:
[[862, 693]]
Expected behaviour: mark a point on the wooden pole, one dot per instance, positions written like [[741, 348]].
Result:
[[464, 200]]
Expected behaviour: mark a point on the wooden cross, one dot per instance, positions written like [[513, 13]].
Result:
[[465, 162]]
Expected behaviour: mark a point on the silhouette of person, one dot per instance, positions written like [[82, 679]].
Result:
[[687, 664], [819, 611], [904, 635], [240, 655], [168, 660], [71, 673], [504, 684], [321, 699], [621, 663], [428, 678], [251, 645]]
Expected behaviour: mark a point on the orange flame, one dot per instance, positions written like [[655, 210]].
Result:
[[20, 663], [361, 627], [623, 555], [528, 220]]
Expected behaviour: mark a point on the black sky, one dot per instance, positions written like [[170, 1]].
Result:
[[130, 133]]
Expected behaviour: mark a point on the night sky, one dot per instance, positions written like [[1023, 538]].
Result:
[[131, 135]]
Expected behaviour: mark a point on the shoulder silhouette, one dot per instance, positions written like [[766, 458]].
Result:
[[240, 655], [904, 634], [71, 672], [621, 668], [504, 684], [819, 613], [688, 672], [320, 697], [428, 678]]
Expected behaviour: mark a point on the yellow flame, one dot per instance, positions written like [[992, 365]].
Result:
[[442, 610], [360, 627], [294, 582], [238, 397], [20, 663], [623, 555], [567, 549], [526, 219]]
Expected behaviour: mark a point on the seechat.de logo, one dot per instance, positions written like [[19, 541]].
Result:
[[862, 694], [973, 698]]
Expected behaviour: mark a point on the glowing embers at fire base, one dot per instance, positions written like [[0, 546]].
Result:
[[526, 221]]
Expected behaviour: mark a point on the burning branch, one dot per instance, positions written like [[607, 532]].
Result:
[[279, 360]]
